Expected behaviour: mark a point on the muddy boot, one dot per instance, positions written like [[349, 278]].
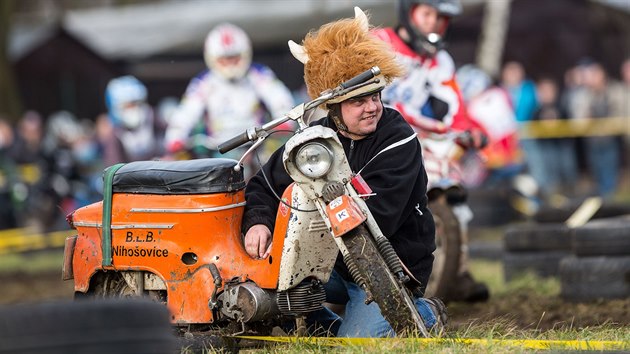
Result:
[[441, 315]]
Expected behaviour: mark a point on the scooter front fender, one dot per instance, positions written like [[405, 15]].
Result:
[[309, 250]]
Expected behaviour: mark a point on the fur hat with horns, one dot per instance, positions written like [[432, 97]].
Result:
[[340, 50]]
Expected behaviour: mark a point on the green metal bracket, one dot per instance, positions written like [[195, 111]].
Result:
[[106, 243]]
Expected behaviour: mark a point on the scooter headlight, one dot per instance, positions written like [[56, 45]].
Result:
[[314, 159]]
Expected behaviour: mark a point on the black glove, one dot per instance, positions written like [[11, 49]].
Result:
[[472, 139]]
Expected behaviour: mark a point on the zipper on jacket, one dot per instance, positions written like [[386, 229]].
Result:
[[351, 150]]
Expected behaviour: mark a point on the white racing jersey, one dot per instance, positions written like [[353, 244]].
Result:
[[228, 107]]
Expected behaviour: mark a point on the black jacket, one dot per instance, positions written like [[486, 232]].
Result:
[[396, 176]]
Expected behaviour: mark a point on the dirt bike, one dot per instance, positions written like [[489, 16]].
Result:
[[447, 195], [171, 231]]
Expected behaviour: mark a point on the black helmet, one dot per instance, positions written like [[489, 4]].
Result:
[[420, 42]]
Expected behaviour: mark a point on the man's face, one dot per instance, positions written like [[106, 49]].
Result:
[[231, 67], [425, 18], [361, 115], [513, 74], [229, 61]]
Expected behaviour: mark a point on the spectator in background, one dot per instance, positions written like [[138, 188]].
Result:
[[559, 154], [233, 94], [27, 154], [63, 131], [87, 155], [7, 175], [521, 89], [130, 135], [28, 143], [602, 152], [522, 92], [574, 82], [621, 101], [620, 91]]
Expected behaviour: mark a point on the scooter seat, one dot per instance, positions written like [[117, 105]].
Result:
[[200, 176]]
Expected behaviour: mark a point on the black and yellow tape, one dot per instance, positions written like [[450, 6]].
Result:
[[23, 240], [572, 128], [530, 344]]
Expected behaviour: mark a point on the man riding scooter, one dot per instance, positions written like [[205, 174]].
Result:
[[382, 148], [430, 101]]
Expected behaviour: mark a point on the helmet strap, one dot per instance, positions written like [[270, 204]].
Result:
[[334, 112]]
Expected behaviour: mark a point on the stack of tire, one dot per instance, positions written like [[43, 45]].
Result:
[[550, 214], [592, 261], [536, 248], [599, 267]]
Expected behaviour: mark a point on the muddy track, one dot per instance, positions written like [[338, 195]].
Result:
[[27, 287], [536, 312], [519, 312]]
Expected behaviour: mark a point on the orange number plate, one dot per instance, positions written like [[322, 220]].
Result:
[[344, 215]]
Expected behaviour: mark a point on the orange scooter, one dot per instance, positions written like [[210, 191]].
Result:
[[171, 231]]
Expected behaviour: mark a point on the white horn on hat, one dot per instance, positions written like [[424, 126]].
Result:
[[363, 20], [298, 52]]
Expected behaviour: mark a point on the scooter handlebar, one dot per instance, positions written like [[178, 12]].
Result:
[[362, 77], [233, 143]]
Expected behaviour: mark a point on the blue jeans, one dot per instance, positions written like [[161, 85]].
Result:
[[359, 320], [603, 155], [535, 160]]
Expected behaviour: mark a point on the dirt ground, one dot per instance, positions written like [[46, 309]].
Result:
[[22, 287], [520, 312], [530, 312]]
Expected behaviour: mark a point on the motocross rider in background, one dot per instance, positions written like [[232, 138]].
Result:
[[233, 94], [128, 132], [429, 99], [337, 52]]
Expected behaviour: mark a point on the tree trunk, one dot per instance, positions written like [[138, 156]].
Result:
[[9, 99], [494, 29]]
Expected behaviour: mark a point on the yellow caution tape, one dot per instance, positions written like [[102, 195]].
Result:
[[521, 343], [572, 128], [22, 240]]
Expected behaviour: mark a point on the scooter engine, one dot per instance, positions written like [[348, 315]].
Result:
[[306, 297], [246, 302]]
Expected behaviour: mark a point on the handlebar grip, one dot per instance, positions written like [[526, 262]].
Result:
[[233, 143], [362, 77]]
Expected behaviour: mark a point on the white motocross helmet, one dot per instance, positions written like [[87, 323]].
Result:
[[224, 44], [125, 98]]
